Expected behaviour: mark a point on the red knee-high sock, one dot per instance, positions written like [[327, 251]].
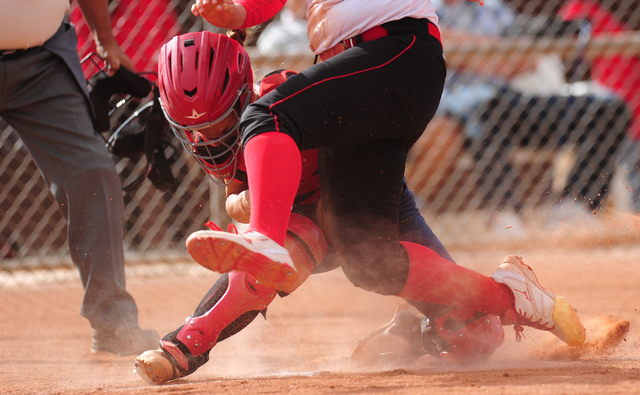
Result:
[[273, 168], [436, 280]]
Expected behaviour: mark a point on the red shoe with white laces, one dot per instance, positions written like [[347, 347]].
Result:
[[535, 306], [251, 252]]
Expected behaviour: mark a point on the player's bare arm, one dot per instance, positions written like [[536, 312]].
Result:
[[96, 14], [238, 205], [221, 13]]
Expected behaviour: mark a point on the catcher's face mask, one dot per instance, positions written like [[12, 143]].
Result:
[[215, 145]]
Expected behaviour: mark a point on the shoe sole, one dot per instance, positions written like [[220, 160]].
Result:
[[222, 255], [568, 322], [564, 316], [155, 372]]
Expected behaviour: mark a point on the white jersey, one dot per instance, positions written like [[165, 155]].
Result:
[[332, 21], [29, 23]]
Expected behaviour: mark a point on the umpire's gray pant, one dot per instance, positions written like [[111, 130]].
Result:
[[43, 102]]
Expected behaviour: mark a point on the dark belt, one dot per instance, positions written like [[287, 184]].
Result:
[[6, 54], [374, 33]]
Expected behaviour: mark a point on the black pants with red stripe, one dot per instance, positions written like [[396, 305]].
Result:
[[363, 109]]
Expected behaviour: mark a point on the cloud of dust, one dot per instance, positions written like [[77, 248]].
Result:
[[604, 336], [316, 328], [569, 226]]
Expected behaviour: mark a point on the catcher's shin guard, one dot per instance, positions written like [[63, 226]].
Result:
[[462, 336], [230, 305], [243, 295]]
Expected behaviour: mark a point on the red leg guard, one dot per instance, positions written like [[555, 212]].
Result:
[[243, 294], [306, 243], [472, 337], [307, 246], [436, 280], [310, 234]]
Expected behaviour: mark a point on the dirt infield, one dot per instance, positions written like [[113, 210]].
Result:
[[305, 344]]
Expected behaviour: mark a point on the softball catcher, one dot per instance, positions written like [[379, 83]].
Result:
[[203, 99]]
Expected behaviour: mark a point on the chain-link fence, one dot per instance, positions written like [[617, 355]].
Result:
[[540, 117]]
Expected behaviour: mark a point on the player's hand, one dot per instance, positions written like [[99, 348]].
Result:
[[481, 2], [113, 56], [246, 200], [220, 13]]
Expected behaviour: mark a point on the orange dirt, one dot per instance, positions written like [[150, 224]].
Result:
[[305, 344]]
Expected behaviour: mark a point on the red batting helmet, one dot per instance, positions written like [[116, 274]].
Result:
[[203, 77]]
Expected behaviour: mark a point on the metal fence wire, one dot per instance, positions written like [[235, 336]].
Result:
[[541, 112]]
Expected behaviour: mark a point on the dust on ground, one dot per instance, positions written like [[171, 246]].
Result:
[[304, 345]]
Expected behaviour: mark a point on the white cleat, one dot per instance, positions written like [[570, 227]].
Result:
[[251, 252], [535, 306]]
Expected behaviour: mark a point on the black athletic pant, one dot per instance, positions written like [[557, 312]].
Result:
[[364, 109]]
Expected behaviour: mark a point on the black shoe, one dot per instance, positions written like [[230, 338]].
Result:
[[396, 343], [124, 342]]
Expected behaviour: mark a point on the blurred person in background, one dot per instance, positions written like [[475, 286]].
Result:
[[287, 33], [620, 73], [45, 99], [497, 108]]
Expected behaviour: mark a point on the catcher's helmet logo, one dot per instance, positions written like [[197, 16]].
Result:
[[194, 114]]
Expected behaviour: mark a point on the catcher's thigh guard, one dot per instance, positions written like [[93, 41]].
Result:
[[307, 246]]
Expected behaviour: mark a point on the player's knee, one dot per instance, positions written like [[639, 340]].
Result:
[[380, 273]]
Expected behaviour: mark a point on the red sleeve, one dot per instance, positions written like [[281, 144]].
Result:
[[259, 11]]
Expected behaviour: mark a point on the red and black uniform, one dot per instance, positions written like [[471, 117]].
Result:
[[412, 227]]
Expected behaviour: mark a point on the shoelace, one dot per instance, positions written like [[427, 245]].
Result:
[[231, 228], [523, 320], [519, 332]]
